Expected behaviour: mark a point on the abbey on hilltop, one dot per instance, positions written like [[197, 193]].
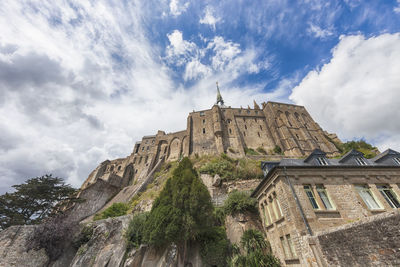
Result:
[[223, 129]]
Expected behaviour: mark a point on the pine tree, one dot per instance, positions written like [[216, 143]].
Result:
[[182, 211]]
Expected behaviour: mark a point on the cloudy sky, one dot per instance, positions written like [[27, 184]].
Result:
[[81, 81]]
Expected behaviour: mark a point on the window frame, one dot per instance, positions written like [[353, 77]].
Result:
[[320, 188], [382, 188], [365, 188], [310, 189]]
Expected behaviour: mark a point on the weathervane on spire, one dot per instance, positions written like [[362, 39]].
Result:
[[220, 101]]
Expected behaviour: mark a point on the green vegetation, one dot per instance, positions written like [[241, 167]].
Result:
[[135, 231], [34, 200], [228, 168], [239, 202], [256, 251], [278, 150], [183, 214], [153, 189], [115, 210], [84, 236], [368, 150], [215, 246], [250, 151], [261, 151]]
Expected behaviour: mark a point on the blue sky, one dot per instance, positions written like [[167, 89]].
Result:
[[80, 82]]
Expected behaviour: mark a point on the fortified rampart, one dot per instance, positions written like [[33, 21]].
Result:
[[222, 129]]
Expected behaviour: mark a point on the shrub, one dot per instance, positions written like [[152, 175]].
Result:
[[231, 169], [261, 150], [257, 251], [214, 246], [250, 151], [134, 234], [53, 236], [277, 150], [115, 210], [238, 201], [84, 236]]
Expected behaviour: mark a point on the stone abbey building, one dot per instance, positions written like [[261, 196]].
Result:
[[224, 129]]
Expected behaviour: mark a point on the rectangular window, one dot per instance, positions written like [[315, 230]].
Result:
[[397, 160], [266, 217], [277, 207], [311, 197], [389, 196], [324, 197], [360, 161], [201, 113], [367, 197], [204, 130], [272, 215], [322, 161], [291, 247], [285, 247]]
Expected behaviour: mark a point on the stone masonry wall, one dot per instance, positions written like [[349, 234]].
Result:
[[373, 241]]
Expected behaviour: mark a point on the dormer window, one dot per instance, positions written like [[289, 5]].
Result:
[[322, 161], [360, 161], [397, 160]]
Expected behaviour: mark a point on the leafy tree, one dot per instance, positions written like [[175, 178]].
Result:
[[182, 211], [33, 200], [134, 232], [256, 251]]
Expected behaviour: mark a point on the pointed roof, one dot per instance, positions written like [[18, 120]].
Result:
[[350, 154], [315, 154], [384, 154], [220, 101], [256, 106]]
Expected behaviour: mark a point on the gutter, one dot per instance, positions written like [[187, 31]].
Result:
[[298, 203]]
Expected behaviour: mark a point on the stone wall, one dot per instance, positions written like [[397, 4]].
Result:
[[373, 241]]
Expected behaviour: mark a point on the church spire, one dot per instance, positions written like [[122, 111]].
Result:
[[220, 101]]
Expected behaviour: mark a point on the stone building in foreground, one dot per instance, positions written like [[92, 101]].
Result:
[[223, 129], [320, 212]]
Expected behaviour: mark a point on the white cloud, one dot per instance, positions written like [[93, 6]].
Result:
[[209, 17], [224, 52], [180, 51], [357, 94], [316, 31], [177, 8], [195, 69], [397, 8]]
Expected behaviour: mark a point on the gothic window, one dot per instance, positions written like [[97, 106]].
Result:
[[147, 148], [112, 168], [230, 131], [324, 197], [389, 196], [245, 127], [267, 219], [360, 161], [204, 121], [136, 171], [288, 119], [260, 127], [310, 194], [367, 196], [204, 130], [229, 121], [119, 168]]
